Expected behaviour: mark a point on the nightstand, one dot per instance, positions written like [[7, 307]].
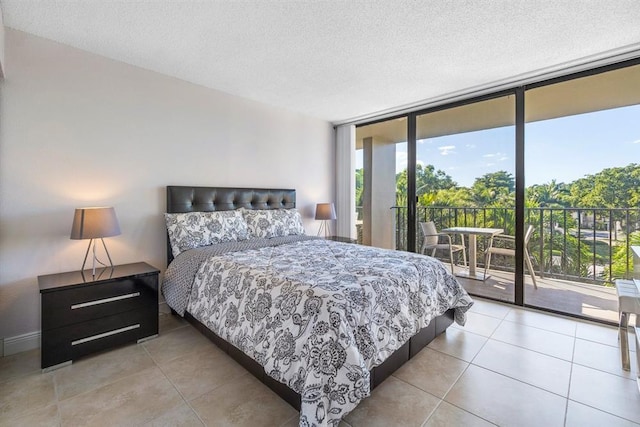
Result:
[[82, 314], [341, 239]]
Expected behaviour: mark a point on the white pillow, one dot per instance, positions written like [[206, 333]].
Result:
[[195, 229]]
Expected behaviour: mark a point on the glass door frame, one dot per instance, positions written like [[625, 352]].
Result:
[[520, 93], [412, 197]]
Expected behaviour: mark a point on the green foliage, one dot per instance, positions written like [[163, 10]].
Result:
[[622, 259], [452, 197], [551, 208], [428, 182], [609, 188], [551, 194], [359, 186]]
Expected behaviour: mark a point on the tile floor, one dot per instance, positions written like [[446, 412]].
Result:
[[507, 367]]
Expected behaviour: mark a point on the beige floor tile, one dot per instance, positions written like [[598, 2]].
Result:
[[98, 370], [45, 417], [533, 368], [602, 334], [447, 415], [579, 415], [20, 364], [244, 402], [607, 392], [458, 343], [432, 371], [182, 416], [479, 324], [132, 400], [168, 322], [542, 341], [163, 307], [505, 401], [24, 395], [393, 403], [545, 321], [201, 371], [603, 357], [490, 308], [175, 343]]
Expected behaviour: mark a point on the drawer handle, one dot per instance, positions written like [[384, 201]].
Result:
[[105, 334], [104, 301]]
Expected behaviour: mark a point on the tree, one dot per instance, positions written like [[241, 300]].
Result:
[[494, 189], [428, 181], [622, 260], [609, 188], [359, 186], [551, 194], [453, 197], [359, 191]]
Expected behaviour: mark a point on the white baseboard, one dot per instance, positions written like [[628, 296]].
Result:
[[20, 343]]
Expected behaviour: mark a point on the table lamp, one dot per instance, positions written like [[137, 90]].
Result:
[[325, 212], [95, 223]]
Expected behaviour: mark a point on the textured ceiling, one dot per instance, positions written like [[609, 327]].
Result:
[[337, 60]]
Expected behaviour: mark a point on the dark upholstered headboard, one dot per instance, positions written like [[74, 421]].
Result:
[[206, 199]]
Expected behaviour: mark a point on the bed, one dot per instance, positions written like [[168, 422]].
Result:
[[320, 322]]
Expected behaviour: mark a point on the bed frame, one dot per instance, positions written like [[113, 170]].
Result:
[[205, 199]]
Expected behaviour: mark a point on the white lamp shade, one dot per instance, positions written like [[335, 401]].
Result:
[[325, 211], [94, 223]]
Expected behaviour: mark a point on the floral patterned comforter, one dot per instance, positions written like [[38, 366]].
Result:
[[318, 314]]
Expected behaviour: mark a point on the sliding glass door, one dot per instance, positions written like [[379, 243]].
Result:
[[583, 190], [538, 187], [465, 180]]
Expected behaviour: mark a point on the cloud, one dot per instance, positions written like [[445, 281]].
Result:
[[445, 150], [490, 164], [470, 145], [500, 157], [637, 141], [401, 161]]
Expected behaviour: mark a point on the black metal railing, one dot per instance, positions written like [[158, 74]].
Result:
[[590, 245]]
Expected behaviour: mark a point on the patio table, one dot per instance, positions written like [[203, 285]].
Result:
[[473, 232]]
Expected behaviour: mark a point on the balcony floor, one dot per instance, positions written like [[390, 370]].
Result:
[[594, 301]]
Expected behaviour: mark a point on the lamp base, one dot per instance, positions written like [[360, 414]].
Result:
[[325, 229], [92, 244]]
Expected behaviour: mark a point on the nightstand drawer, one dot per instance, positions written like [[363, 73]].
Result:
[[72, 341], [80, 304], [82, 313]]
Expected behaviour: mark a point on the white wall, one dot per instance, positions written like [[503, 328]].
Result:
[[80, 130]]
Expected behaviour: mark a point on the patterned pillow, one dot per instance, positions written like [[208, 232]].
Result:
[[292, 222], [195, 229], [267, 223]]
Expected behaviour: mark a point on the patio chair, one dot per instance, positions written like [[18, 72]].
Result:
[[434, 241], [506, 251]]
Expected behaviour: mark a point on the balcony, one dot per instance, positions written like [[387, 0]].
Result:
[[576, 253], [567, 296]]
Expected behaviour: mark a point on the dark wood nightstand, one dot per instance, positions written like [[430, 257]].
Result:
[[82, 314], [341, 239]]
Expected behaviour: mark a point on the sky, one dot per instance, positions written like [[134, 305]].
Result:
[[563, 149]]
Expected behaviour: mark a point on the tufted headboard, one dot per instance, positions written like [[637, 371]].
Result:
[[206, 199]]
